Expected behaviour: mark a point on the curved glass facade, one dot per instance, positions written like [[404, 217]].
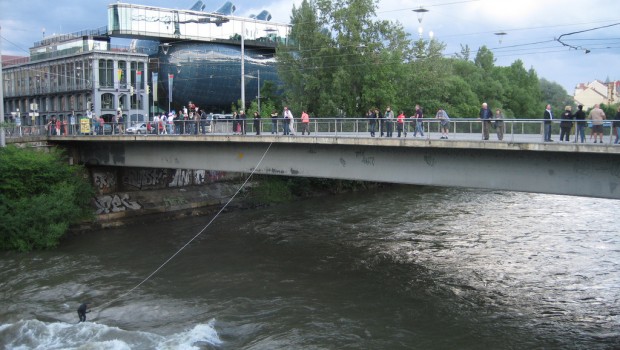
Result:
[[209, 74]]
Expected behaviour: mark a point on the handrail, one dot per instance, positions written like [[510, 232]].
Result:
[[514, 130]]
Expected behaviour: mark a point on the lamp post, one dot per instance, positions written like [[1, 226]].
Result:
[[420, 12], [243, 65], [257, 77]]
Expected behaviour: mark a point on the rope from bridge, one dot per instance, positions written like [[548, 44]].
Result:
[[104, 305]]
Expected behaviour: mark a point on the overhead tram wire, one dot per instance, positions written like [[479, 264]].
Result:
[[104, 305]]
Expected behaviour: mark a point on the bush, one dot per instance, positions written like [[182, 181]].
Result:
[[41, 196]]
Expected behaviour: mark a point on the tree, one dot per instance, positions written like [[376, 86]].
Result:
[[554, 94], [40, 197]]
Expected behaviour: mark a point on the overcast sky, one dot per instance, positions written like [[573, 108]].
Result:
[[531, 27]]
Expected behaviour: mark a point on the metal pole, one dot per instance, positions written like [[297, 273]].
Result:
[[243, 65], [2, 139], [259, 91]]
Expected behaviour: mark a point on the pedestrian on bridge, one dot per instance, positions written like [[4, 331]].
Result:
[[548, 117], [616, 126], [444, 123], [499, 124], [418, 116], [305, 123], [485, 116], [580, 117], [566, 124], [372, 122], [597, 116]]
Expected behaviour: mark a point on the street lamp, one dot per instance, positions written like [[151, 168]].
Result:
[[420, 12]]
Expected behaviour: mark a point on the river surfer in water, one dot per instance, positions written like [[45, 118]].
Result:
[[83, 310]]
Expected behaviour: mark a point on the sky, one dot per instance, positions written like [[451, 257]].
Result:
[[532, 28]]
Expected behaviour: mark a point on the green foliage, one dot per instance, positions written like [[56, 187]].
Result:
[[279, 189], [40, 197], [343, 61]]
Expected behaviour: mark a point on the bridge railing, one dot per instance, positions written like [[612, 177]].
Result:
[[514, 130]]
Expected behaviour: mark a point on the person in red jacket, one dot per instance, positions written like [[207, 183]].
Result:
[[305, 123]]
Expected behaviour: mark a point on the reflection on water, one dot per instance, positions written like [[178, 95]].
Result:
[[410, 267]]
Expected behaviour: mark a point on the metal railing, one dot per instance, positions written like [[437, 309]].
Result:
[[514, 130]]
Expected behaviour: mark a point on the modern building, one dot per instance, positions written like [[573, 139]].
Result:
[[213, 59], [597, 92], [74, 74]]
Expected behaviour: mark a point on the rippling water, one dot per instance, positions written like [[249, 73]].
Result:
[[405, 268]]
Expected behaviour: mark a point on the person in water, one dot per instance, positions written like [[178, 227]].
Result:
[[83, 310]]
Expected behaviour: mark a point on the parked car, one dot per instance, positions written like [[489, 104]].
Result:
[[222, 116], [139, 128]]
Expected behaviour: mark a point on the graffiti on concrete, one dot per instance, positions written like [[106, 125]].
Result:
[[105, 181], [142, 179], [146, 179], [115, 203], [174, 201]]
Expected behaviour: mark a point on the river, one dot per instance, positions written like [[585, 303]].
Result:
[[402, 268]]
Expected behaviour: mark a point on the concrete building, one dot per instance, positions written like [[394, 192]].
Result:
[[75, 74], [597, 92]]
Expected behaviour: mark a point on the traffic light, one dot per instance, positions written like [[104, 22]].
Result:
[[89, 106], [148, 89], [131, 90]]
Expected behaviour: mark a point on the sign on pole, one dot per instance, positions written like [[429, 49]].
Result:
[[154, 77]]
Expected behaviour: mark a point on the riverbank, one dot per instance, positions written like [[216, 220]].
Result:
[[123, 208]]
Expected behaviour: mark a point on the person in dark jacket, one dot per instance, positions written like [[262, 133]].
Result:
[[548, 117], [83, 310], [485, 115], [566, 124], [257, 123], [617, 126], [580, 117]]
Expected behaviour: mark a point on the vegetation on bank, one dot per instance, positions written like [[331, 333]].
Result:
[[279, 189], [342, 60], [41, 195]]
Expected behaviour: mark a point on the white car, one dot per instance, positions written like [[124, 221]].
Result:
[[139, 128]]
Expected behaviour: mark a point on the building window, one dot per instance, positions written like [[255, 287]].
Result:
[[106, 73], [107, 101]]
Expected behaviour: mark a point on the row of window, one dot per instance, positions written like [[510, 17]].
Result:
[[71, 75]]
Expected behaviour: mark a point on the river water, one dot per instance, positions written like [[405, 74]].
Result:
[[403, 268]]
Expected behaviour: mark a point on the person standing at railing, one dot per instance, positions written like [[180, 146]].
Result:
[[566, 124], [235, 123], [274, 122], [616, 126], [400, 122], [597, 116], [381, 121], [499, 124], [372, 122], [289, 121], [485, 116], [418, 116], [389, 122], [305, 123], [580, 117], [444, 123], [548, 116], [257, 123], [242, 122]]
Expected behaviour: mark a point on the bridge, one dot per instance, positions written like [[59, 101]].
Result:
[[520, 163]]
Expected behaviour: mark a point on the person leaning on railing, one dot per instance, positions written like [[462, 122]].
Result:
[[597, 116], [499, 124], [580, 117], [485, 115], [566, 124], [616, 126]]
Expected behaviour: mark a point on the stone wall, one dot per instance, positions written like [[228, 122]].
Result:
[[126, 194]]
